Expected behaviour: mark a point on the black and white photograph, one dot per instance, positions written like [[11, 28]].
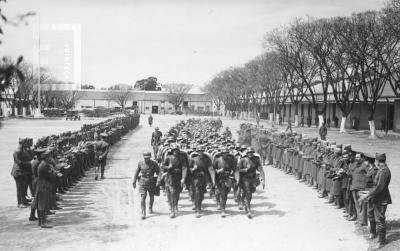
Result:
[[199, 125]]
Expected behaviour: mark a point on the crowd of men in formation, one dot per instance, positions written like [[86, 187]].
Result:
[[195, 155], [54, 164], [350, 180]]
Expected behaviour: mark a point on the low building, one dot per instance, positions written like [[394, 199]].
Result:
[[155, 102]]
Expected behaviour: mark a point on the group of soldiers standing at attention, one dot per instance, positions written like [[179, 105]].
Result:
[[350, 180], [56, 163], [195, 155]]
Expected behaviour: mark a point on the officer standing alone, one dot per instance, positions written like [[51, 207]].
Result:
[[145, 172]]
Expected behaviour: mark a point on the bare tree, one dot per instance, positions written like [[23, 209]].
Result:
[[67, 99], [177, 94], [121, 97]]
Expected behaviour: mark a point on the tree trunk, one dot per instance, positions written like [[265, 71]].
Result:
[[296, 120], [271, 117], [320, 120], [342, 124], [372, 129], [277, 117]]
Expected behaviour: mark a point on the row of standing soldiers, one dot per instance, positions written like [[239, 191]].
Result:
[[56, 163], [353, 181], [196, 156]]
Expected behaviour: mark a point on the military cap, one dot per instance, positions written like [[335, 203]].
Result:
[[250, 150], [147, 155], [224, 150], [380, 157]]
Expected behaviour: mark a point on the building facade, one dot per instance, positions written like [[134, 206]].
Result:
[[147, 102]]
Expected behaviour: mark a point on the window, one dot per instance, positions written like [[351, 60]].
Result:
[[162, 102], [192, 107], [162, 107], [185, 103], [170, 108], [134, 103], [208, 108], [147, 108]]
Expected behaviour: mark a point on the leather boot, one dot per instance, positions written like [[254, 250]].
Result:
[[172, 215], [44, 221], [249, 214], [40, 218], [32, 217], [143, 209]]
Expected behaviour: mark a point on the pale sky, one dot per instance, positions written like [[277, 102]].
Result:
[[183, 41]]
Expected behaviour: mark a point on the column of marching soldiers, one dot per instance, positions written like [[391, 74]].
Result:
[[56, 163], [195, 155]]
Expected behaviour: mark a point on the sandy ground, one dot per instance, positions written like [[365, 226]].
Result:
[[105, 215]]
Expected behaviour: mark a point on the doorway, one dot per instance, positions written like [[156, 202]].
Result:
[[154, 109]]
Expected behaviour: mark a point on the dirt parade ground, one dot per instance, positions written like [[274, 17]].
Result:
[[105, 215]]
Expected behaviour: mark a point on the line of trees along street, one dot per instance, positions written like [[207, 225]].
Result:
[[352, 58]]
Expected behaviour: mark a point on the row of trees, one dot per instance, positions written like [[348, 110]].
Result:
[[176, 94], [23, 89], [350, 58]]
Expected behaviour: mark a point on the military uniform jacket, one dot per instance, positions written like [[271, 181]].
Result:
[[252, 163], [203, 162], [22, 163], [155, 138], [227, 164], [380, 191], [358, 176], [146, 172]]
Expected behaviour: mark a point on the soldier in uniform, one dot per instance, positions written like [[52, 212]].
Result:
[[22, 171], [101, 151], [155, 140], [200, 167], [378, 200], [44, 188], [225, 166], [174, 170], [145, 172], [248, 167], [35, 164]]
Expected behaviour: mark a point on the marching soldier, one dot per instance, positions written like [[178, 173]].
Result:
[[248, 167], [155, 140], [145, 172], [175, 171], [101, 151], [200, 167], [225, 166]]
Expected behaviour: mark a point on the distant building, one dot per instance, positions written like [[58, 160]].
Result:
[[147, 102]]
